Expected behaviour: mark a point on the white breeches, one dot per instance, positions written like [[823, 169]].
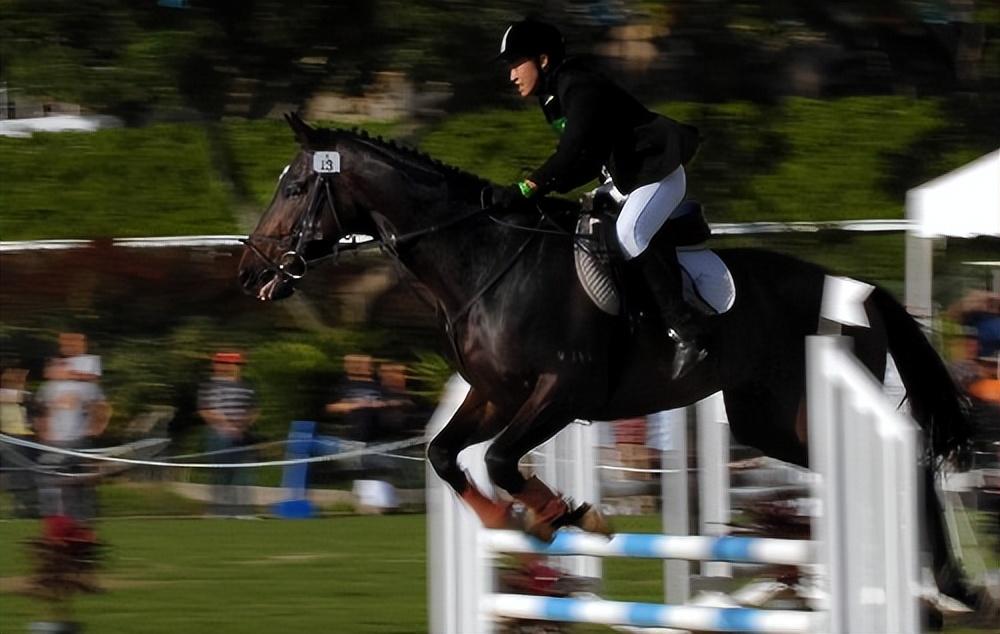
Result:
[[646, 209]]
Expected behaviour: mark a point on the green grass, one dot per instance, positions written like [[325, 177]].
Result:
[[353, 574], [131, 500], [344, 574]]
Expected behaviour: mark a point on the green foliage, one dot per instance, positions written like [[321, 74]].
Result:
[[801, 159], [797, 160], [97, 54], [295, 375], [119, 182], [500, 145], [283, 372], [431, 372], [140, 374], [836, 155]]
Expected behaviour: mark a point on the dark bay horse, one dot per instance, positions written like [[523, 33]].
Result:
[[538, 354]]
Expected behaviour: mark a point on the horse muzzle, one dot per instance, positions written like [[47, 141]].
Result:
[[265, 284]]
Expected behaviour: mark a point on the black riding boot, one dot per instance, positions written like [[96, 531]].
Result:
[[662, 273]]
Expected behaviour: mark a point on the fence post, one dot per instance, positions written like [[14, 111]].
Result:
[[867, 534], [674, 501], [713, 476]]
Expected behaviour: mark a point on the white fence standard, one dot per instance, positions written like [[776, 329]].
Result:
[[867, 528], [860, 445]]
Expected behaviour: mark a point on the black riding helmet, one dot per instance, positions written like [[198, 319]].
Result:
[[531, 38]]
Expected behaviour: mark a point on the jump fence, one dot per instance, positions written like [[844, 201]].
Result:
[[865, 528]]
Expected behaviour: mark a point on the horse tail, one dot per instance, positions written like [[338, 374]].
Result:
[[936, 402]]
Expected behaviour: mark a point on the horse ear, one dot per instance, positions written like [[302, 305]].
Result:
[[303, 132]]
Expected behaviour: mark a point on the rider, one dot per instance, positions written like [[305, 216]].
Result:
[[602, 128]]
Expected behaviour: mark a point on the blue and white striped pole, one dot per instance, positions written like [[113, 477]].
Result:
[[683, 617], [652, 546]]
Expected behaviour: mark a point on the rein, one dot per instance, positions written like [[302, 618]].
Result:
[[497, 275]]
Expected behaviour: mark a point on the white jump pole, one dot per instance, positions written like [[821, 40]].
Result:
[[713, 476], [674, 499]]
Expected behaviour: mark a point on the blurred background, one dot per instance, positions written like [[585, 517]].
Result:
[[122, 120]]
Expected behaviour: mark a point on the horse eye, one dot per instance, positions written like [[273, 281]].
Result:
[[294, 189]]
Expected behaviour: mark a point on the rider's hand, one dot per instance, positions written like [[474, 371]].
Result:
[[505, 197], [509, 196]]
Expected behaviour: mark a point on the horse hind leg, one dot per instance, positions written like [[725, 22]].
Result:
[[537, 421], [475, 421], [949, 573]]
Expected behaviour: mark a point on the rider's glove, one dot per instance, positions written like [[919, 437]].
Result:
[[509, 196]]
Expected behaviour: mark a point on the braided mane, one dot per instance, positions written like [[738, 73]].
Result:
[[397, 152]]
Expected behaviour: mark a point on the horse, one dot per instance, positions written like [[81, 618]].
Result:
[[536, 351]]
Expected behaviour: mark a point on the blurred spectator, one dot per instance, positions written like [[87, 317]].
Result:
[[962, 351], [73, 412], [229, 406], [396, 402], [18, 479], [986, 387], [980, 311], [363, 402], [79, 366], [358, 398]]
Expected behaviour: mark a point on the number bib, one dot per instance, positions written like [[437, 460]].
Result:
[[326, 162]]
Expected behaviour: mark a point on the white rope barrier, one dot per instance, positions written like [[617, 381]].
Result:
[[215, 465]]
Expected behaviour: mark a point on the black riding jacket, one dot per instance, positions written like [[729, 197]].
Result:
[[602, 125]]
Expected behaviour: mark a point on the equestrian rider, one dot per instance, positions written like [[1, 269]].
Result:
[[603, 128]]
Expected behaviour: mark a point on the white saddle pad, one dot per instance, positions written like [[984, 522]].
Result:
[[708, 284]]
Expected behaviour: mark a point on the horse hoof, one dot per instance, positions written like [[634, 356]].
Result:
[[544, 523], [539, 528], [542, 531], [932, 618], [593, 521]]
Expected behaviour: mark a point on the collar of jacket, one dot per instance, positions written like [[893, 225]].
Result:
[[549, 76]]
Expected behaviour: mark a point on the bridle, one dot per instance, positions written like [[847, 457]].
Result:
[[293, 263]]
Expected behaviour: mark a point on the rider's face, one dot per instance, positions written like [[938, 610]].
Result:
[[524, 74]]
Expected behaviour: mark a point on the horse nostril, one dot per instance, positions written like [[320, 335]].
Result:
[[248, 280]]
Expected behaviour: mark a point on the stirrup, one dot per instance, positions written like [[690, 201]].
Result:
[[687, 354]]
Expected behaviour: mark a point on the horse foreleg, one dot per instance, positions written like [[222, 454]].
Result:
[[475, 420], [538, 420]]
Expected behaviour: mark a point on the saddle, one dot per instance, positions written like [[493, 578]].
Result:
[[708, 284]]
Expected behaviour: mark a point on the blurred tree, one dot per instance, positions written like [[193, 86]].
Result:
[[244, 57], [93, 53]]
